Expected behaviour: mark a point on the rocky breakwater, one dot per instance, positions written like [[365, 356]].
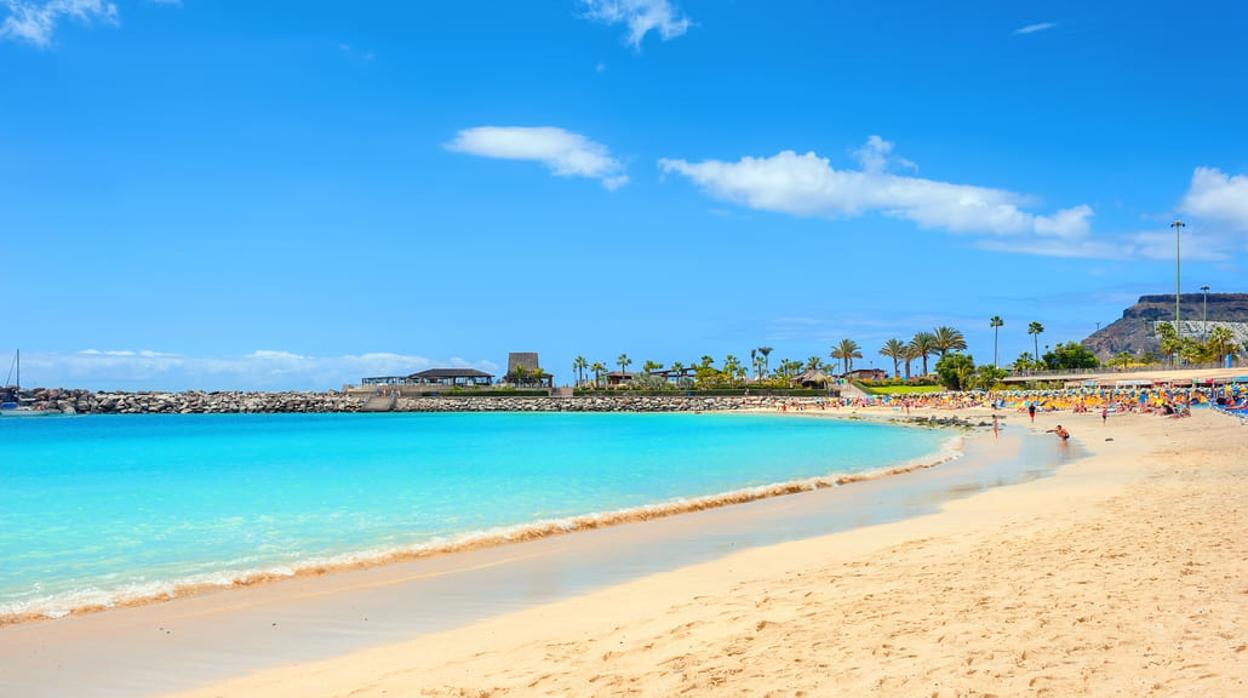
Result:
[[68, 401], [613, 403]]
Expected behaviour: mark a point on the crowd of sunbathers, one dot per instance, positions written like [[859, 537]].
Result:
[[1166, 401]]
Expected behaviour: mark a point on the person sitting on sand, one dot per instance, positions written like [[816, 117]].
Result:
[[1061, 432]]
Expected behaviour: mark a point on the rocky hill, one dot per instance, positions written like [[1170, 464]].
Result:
[[1133, 332]]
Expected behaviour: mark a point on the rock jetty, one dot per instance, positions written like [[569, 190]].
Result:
[[70, 401]]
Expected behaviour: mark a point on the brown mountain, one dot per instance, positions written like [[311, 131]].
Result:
[[1134, 331]]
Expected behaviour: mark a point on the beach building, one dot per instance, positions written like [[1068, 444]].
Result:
[[617, 378], [448, 377], [812, 378], [524, 368], [455, 377], [866, 374], [672, 375]]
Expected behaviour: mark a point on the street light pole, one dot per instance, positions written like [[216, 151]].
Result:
[[1204, 321], [1178, 227]]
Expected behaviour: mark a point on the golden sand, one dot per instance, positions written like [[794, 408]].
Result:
[[1127, 573]]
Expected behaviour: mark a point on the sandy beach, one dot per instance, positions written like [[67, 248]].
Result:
[[1124, 573]]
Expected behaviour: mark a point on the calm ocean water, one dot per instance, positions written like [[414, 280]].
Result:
[[94, 509]]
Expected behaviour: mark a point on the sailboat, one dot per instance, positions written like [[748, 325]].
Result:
[[10, 397]]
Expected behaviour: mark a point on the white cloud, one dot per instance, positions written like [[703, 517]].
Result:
[[876, 156], [260, 370], [35, 21], [564, 153], [808, 185], [1214, 195], [1037, 27], [349, 50], [641, 17]]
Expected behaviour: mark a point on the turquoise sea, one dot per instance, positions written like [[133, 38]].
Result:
[[102, 508]]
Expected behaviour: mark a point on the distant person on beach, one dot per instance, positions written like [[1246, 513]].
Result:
[[1031, 410], [1104, 414], [1060, 431], [996, 427]]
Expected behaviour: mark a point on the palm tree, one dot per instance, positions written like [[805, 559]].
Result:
[[1221, 342], [924, 344], [765, 352], [732, 366], [678, 369], [948, 339], [894, 349], [579, 364], [1035, 329], [624, 362], [813, 363], [650, 365], [598, 369], [996, 323], [910, 355], [846, 350]]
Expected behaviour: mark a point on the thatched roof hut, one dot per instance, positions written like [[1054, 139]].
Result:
[[812, 377]]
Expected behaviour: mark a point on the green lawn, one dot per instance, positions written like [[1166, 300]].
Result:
[[901, 389]]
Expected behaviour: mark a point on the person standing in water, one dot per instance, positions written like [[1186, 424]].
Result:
[[1031, 410], [996, 427]]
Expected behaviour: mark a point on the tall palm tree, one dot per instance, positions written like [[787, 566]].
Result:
[[813, 363], [678, 369], [598, 368], [924, 344], [948, 339], [765, 352], [996, 323], [846, 350], [732, 366], [1221, 342], [624, 362], [894, 349], [910, 355], [650, 365], [1035, 329], [579, 364]]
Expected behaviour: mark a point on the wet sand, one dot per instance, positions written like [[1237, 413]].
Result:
[[1123, 574], [192, 641]]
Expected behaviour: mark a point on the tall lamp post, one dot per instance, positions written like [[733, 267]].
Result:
[[1204, 320], [1178, 226]]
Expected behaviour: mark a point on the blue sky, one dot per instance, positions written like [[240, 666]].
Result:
[[218, 194]]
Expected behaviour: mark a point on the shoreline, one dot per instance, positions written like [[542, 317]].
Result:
[[989, 594], [231, 580], [199, 640]]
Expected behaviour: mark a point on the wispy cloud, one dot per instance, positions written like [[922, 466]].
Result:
[[261, 370], [640, 16], [1037, 27], [808, 185], [35, 22], [564, 153], [349, 50], [1217, 196]]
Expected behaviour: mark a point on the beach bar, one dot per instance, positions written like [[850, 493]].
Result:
[[449, 377]]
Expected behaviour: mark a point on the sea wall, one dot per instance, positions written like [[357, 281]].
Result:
[[86, 402], [70, 401]]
